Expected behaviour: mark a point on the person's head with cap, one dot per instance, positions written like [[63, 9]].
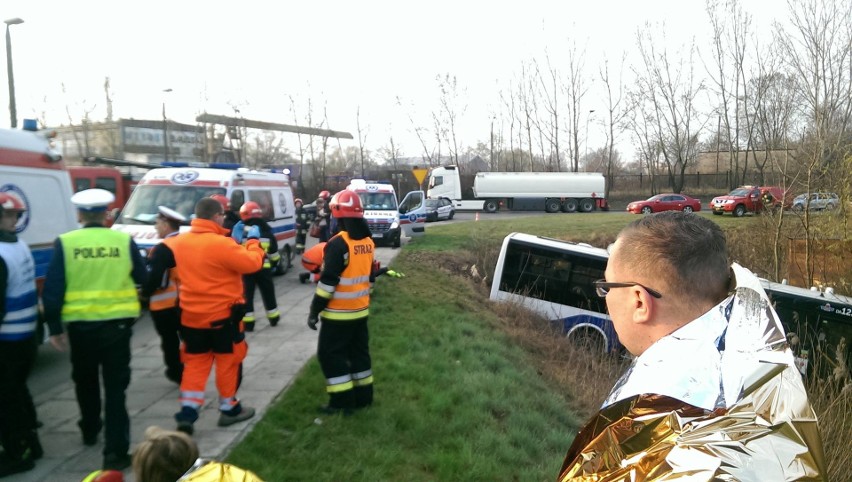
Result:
[[11, 209], [92, 205], [168, 221]]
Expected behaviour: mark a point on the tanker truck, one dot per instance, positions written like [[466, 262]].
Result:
[[519, 191]]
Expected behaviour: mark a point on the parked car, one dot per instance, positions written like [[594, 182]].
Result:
[[816, 201], [665, 202], [750, 199], [438, 209]]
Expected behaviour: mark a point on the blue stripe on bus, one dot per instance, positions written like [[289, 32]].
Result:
[[602, 322]]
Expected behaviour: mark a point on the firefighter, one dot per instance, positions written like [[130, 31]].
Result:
[[90, 291], [323, 216], [210, 268], [252, 216], [162, 290], [341, 301], [18, 344], [312, 261], [302, 225], [231, 217]]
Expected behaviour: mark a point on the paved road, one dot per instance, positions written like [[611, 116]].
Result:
[[275, 356]]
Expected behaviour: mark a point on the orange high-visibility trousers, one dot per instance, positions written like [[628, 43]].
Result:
[[196, 371]]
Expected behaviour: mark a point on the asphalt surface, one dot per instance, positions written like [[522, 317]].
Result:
[[275, 356]]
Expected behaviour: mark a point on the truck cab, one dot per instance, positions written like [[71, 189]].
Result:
[[103, 177]]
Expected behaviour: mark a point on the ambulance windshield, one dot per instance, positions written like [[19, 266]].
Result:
[[141, 208], [385, 201]]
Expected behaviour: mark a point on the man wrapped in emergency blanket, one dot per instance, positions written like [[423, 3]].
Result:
[[719, 399]]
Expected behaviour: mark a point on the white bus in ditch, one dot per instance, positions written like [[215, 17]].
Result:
[[554, 278]]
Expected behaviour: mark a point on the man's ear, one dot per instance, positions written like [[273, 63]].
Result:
[[643, 305]]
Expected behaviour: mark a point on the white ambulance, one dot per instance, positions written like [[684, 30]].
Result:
[[32, 170], [180, 188], [381, 210]]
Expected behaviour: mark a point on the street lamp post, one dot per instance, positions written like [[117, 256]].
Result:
[[165, 129], [13, 111]]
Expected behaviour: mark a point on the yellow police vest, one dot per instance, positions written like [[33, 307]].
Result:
[[98, 285], [351, 297]]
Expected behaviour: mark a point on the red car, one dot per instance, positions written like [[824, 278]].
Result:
[[665, 202]]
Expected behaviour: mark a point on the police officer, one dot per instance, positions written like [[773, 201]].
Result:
[[18, 309], [341, 302], [302, 224], [252, 215], [162, 290], [90, 292]]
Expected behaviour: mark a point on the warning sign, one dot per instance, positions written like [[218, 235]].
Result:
[[419, 174]]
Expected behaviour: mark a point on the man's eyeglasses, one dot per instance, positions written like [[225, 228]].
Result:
[[602, 288]]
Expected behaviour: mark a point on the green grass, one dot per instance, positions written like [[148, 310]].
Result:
[[455, 399]]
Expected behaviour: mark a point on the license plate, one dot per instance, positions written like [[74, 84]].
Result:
[[378, 235]]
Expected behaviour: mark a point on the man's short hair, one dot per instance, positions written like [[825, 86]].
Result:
[[684, 253], [207, 207], [88, 217]]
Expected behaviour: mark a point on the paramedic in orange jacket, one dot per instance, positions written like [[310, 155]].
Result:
[[210, 266], [341, 302], [162, 290]]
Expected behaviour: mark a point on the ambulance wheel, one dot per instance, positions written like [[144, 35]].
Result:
[[397, 240], [285, 263]]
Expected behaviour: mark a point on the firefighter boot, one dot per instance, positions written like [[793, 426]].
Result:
[[303, 277], [248, 321], [18, 456], [274, 317]]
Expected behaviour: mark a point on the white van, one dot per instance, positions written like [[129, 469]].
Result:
[[181, 188], [36, 173]]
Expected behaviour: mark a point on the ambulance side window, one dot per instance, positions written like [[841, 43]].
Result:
[[264, 199], [238, 198]]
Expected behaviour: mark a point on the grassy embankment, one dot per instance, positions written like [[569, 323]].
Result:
[[466, 389]]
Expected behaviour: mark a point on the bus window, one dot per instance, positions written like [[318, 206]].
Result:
[[555, 279]]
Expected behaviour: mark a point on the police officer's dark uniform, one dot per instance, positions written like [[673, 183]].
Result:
[[18, 313], [90, 291], [162, 291], [341, 302]]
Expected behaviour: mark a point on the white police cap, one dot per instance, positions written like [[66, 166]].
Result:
[[169, 213], [92, 200]]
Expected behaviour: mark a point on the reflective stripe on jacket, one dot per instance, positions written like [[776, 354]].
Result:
[[21, 308], [98, 282], [167, 297], [350, 299]]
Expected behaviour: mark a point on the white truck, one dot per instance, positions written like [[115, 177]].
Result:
[[519, 191]]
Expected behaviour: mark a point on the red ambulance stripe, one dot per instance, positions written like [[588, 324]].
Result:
[[19, 158]]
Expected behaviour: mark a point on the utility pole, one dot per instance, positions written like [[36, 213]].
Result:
[[13, 109]]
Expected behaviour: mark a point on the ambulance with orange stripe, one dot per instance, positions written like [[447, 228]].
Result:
[[179, 188]]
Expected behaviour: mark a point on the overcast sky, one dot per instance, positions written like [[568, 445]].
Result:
[[343, 55]]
